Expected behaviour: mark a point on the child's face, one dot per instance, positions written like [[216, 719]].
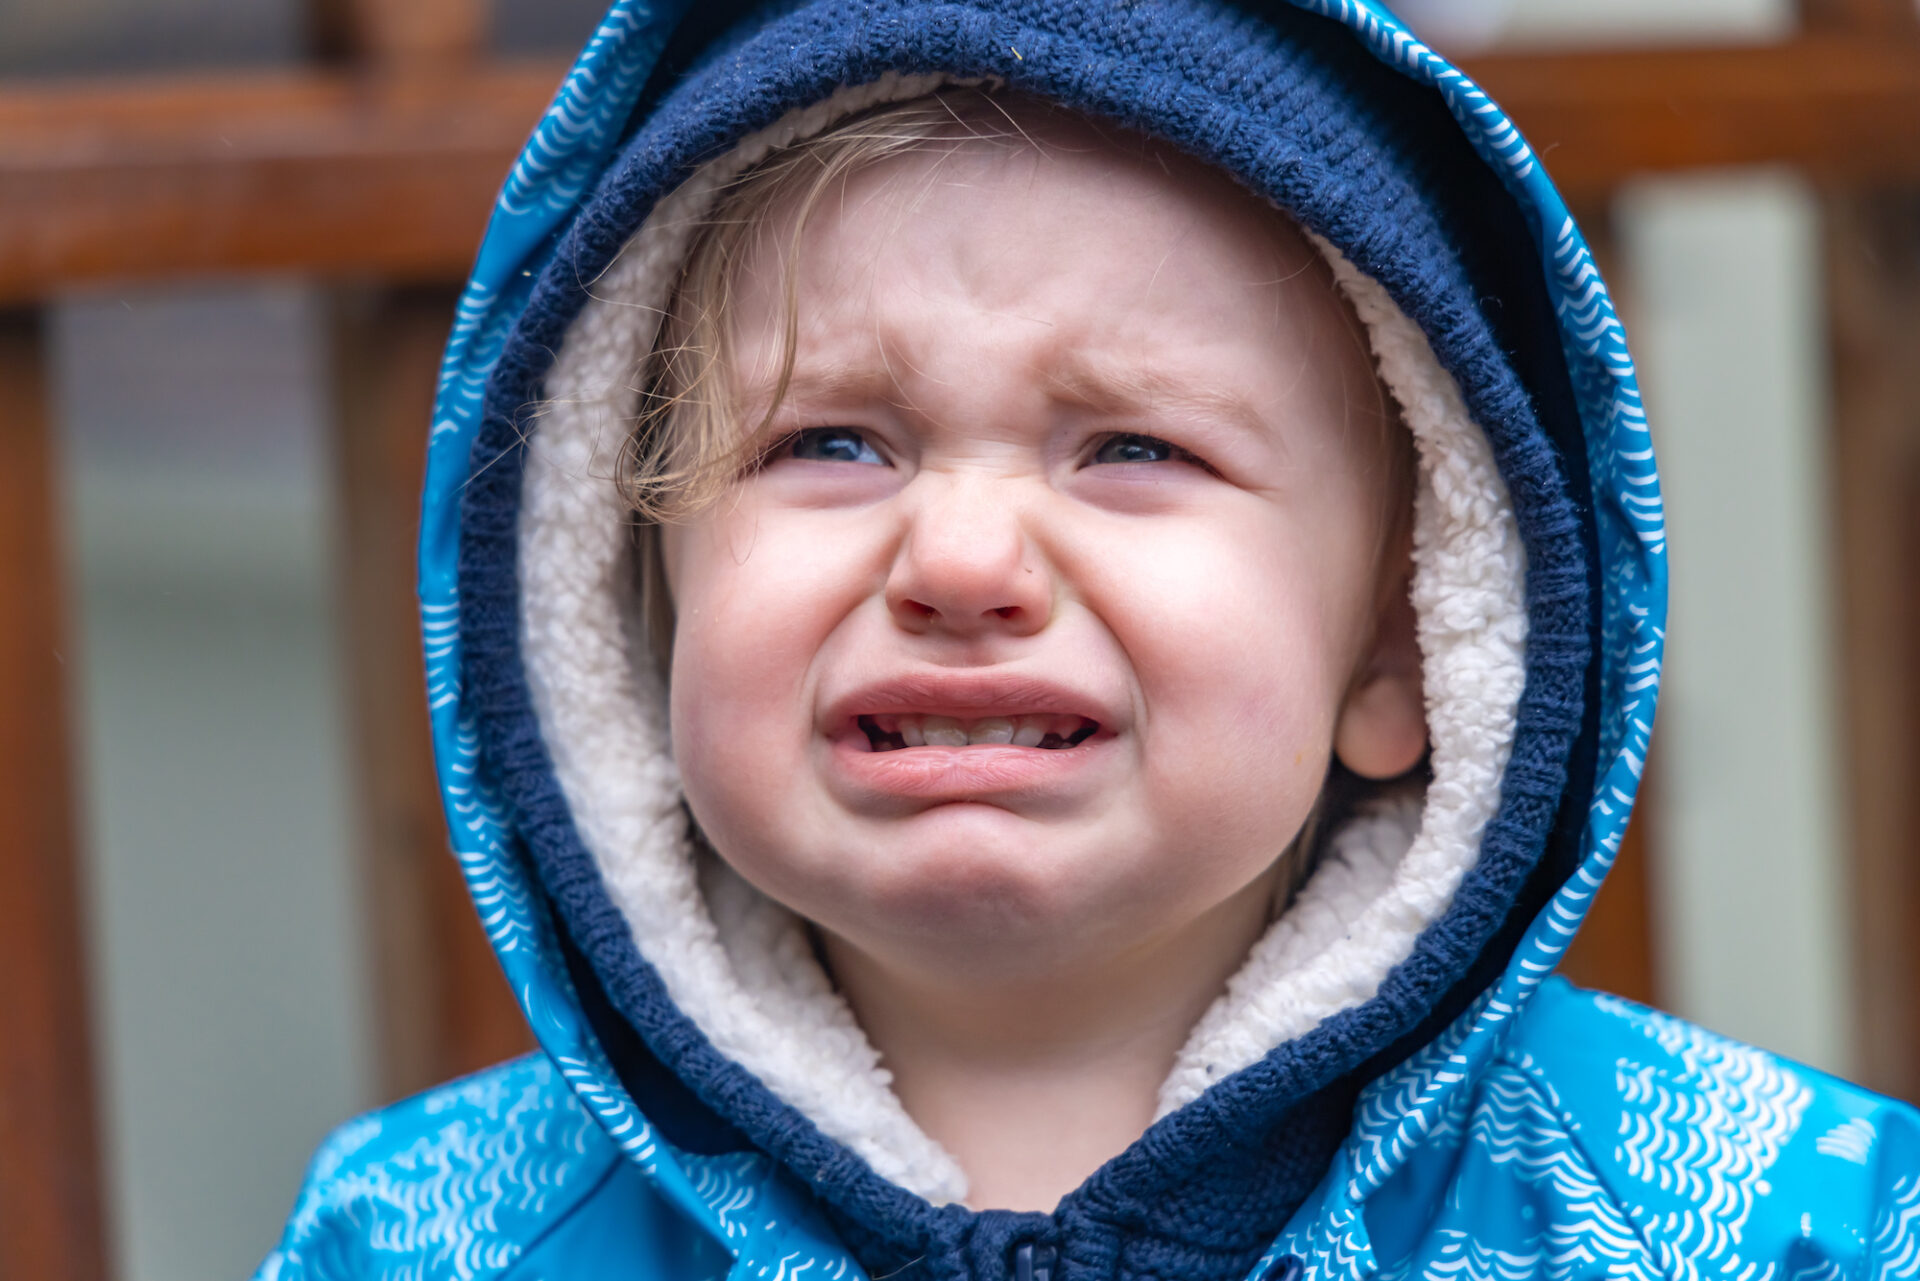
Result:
[[1087, 446]]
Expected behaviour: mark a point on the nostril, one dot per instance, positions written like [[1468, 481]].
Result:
[[1007, 611]]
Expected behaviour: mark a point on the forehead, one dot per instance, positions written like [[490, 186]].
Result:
[[1047, 219], [1052, 265]]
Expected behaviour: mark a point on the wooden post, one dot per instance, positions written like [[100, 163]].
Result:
[[442, 1005], [51, 1225], [1877, 17], [444, 1008], [1872, 235], [411, 33], [1873, 274]]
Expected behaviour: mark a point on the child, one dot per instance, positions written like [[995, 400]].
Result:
[[983, 753]]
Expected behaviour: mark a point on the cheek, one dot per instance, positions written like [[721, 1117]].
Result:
[[1240, 651], [752, 616]]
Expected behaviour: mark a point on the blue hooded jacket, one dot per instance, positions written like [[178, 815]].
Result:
[[1439, 1106]]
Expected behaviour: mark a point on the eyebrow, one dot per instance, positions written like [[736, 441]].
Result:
[[835, 381], [1110, 386]]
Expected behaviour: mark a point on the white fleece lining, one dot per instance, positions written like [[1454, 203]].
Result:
[[739, 965]]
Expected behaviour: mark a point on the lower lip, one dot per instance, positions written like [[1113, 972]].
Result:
[[965, 773]]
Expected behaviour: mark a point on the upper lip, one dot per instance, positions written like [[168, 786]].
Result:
[[965, 695]]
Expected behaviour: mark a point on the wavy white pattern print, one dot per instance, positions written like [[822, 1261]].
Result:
[[1849, 1140], [454, 1202], [1517, 1127], [1896, 1233], [1703, 1127]]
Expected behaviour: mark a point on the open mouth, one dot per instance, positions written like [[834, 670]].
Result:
[[1049, 733]]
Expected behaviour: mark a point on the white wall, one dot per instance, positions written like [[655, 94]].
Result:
[[1465, 24], [1727, 319], [1565, 21], [231, 1015]]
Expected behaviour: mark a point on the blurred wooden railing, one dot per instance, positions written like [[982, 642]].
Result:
[[376, 167], [389, 168]]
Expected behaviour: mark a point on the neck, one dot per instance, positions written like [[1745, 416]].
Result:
[[1034, 1081]]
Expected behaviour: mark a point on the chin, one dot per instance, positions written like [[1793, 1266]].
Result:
[[978, 886]]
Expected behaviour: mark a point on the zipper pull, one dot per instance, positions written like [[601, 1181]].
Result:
[[1285, 1268], [1033, 1262]]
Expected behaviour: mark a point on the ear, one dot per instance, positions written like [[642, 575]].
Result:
[[1382, 730]]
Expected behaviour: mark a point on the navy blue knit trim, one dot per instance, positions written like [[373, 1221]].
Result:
[[1289, 103]]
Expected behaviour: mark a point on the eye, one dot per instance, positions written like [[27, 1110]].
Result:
[[1133, 447], [832, 445]]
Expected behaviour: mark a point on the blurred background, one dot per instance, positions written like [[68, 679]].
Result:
[[231, 236]]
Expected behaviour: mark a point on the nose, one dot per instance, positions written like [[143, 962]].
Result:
[[967, 567]]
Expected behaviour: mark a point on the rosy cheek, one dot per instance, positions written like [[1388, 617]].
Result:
[[1232, 670], [730, 671], [757, 603]]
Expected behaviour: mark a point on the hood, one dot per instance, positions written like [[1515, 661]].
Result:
[[688, 1013]]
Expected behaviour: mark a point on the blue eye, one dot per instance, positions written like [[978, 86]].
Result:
[[833, 445], [1135, 448]]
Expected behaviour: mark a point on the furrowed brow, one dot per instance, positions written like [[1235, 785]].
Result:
[[1115, 388], [833, 382]]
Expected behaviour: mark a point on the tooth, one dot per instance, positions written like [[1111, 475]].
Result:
[[994, 729], [1030, 731], [943, 731], [909, 730]]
